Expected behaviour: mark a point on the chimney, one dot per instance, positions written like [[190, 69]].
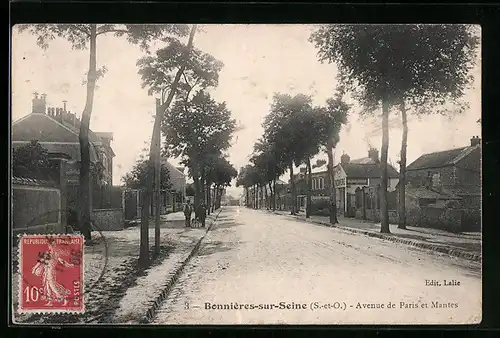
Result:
[[39, 104], [64, 105], [345, 159], [474, 141], [373, 154], [73, 118]]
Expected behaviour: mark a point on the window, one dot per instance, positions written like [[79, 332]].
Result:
[[322, 183], [314, 181], [436, 180]]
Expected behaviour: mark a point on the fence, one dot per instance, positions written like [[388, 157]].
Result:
[[36, 207], [106, 197]]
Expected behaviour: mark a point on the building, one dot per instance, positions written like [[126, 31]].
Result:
[[57, 130], [450, 175], [174, 198], [350, 175], [455, 171]]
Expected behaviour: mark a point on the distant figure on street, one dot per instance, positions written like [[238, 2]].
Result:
[[201, 213], [188, 210]]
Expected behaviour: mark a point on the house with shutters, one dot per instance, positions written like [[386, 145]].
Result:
[[57, 130], [350, 176]]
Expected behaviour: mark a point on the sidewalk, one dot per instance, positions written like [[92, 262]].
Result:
[[115, 288], [463, 245]]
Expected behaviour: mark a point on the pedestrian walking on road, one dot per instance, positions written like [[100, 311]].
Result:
[[201, 213], [188, 210]]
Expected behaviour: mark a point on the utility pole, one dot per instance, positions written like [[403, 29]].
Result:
[[157, 184]]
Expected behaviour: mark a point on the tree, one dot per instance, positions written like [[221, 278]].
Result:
[[282, 129], [137, 177], [310, 127], [224, 173], [196, 130], [242, 180], [330, 121], [31, 161], [200, 72], [83, 36], [268, 161], [394, 65], [155, 153]]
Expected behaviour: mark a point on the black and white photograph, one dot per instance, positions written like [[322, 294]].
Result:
[[209, 174]]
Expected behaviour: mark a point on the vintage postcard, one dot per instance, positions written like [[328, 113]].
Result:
[[181, 174]]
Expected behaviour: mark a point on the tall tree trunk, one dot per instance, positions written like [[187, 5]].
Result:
[[402, 170], [255, 196], [384, 212], [203, 190], [209, 198], [257, 191], [215, 196], [271, 195], [144, 247], [220, 190], [274, 194], [157, 176], [265, 197], [247, 201], [292, 190], [331, 183], [309, 188], [84, 190], [197, 189]]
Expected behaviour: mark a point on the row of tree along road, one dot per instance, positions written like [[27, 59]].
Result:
[[398, 69], [195, 127]]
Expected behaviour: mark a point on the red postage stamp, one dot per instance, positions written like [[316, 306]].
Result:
[[51, 268]]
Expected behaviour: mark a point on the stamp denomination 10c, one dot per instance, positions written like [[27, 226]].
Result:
[[52, 273]]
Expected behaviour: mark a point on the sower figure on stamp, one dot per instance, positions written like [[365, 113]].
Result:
[[201, 213], [188, 210], [46, 267]]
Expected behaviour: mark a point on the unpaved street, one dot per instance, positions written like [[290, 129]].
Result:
[[257, 268]]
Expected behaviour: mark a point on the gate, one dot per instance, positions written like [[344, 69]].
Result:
[[132, 204]]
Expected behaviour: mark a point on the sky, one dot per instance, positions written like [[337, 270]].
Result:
[[259, 60]]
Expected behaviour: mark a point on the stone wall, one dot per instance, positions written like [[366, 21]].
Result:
[[36, 207], [429, 217], [108, 219]]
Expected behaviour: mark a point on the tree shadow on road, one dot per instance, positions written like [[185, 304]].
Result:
[[225, 224], [213, 247]]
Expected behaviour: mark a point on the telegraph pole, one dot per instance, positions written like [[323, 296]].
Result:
[[157, 184]]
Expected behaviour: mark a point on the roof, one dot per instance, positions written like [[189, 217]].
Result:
[[71, 149], [53, 135], [421, 192], [470, 190], [43, 128], [440, 158], [361, 168], [372, 170], [364, 160], [30, 181], [177, 178]]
